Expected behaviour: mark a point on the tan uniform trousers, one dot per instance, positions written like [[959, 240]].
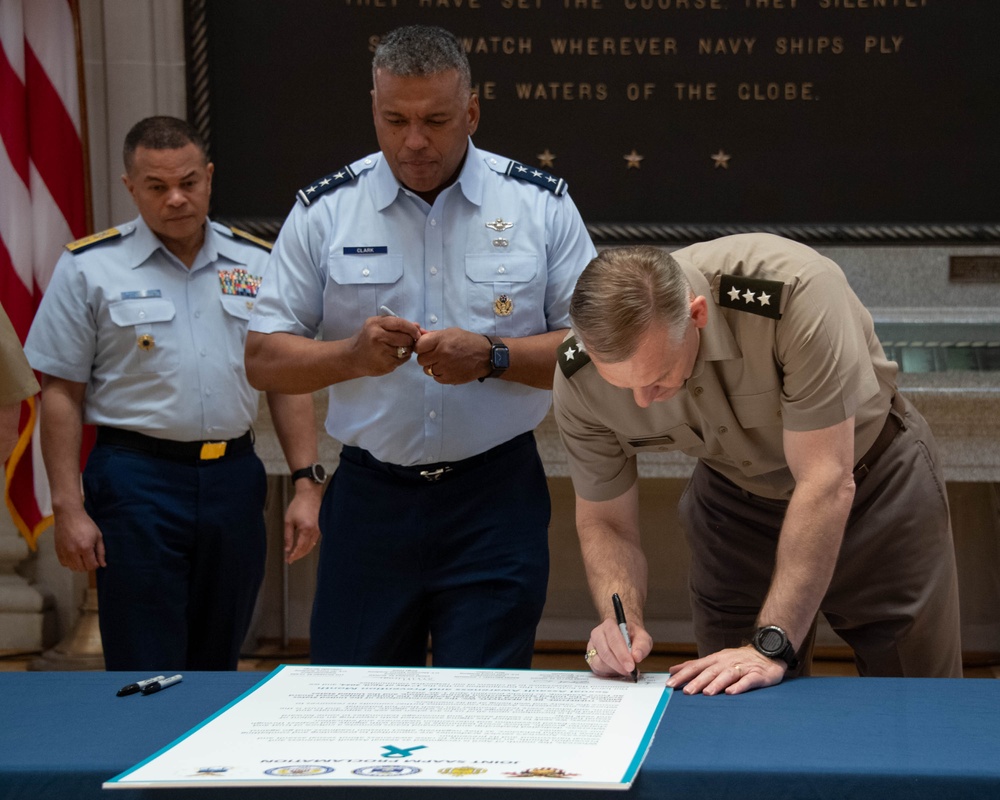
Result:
[[894, 593]]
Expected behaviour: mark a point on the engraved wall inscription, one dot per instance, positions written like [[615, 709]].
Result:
[[756, 113]]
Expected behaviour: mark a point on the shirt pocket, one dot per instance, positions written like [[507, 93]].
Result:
[[146, 337], [681, 437], [358, 285], [757, 410], [237, 316], [504, 296]]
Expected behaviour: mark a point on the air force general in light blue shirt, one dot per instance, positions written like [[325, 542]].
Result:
[[498, 253]]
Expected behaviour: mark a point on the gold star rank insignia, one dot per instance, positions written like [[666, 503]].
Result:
[[755, 295]]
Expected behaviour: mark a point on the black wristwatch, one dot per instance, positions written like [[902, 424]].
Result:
[[499, 357], [772, 642], [314, 472]]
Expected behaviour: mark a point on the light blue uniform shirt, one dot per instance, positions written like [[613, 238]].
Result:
[[159, 346], [370, 242]]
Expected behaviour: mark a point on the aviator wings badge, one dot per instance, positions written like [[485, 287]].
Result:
[[499, 225]]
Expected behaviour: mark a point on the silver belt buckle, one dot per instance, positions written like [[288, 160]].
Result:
[[435, 474]]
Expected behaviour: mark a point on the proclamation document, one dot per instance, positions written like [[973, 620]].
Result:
[[372, 725]]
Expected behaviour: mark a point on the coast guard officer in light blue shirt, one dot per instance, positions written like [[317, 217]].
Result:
[[141, 333], [438, 278]]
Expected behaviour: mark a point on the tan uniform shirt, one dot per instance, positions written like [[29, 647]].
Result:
[[17, 381], [755, 375]]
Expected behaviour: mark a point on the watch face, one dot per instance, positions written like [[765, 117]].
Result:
[[319, 473], [500, 357], [770, 641]]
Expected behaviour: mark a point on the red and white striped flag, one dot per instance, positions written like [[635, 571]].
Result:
[[43, 202]]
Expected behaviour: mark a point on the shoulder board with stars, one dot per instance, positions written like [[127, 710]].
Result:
[[571, 356], [523, 172], [89, 241], [325, 184], [755, 295], [263, 243]]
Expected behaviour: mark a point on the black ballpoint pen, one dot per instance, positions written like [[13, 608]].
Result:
[[616, 601], [138, 686]]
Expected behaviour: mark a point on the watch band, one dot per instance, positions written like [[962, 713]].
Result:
[[314, 472], [496, 344]]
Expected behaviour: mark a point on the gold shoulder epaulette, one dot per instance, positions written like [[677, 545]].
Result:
[[251, 238], [96, 238]]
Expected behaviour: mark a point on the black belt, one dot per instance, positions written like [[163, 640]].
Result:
[[892, 426], [431, 473], [188, 452]]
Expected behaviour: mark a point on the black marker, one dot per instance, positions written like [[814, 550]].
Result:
[[138, 686], [616, 601], [155, 686]]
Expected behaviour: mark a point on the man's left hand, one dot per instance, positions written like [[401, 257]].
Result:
[[453, 356], [733, 671]]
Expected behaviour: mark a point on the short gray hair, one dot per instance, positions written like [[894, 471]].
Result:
[[621, 293], [419, 50]]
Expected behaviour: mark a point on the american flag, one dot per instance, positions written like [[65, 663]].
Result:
[[43, 197]]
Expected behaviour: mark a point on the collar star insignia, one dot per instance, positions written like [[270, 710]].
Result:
[[721, 159], [633, 159], [572, 356], [752, 295]]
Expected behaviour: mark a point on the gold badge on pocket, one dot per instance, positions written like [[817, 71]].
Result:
[[503, 306], [146, 341]]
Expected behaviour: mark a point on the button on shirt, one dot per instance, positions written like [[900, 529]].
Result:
[[754, 377], [370, 243], [159, 346]]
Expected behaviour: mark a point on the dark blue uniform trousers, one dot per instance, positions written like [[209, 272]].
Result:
[[463, 559], [185, 548]]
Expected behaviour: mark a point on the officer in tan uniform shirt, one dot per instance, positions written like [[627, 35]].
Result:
[[817, 486]]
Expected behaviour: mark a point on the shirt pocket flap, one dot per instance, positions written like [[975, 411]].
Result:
[[680, 438], [500, 268], [379, 268], [757, 410], [141, 311], [237, 306]]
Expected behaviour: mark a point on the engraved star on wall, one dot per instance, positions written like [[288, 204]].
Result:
[[633, 160], [721, 159], [546, 159]]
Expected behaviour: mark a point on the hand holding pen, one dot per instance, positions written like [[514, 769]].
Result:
[[610, 652], [616, 601]]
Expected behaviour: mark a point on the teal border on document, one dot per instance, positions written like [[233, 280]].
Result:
[[647, 738]]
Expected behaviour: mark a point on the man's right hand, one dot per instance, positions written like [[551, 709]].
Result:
[[613, 658], [383, 344], [79, 543]]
